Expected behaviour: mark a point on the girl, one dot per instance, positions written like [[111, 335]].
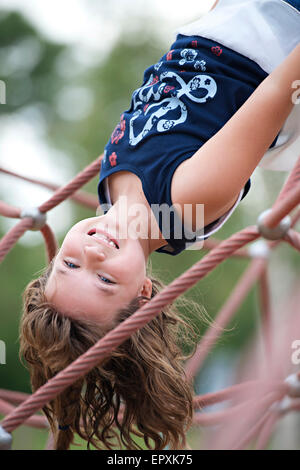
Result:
[[207, 112]]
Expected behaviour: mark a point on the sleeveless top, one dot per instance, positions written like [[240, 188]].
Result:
[[265, 31], [185, 98]]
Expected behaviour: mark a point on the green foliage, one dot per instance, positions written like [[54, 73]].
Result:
[[110, 82]]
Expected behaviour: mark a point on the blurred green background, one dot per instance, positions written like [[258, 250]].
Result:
[[62, 103]]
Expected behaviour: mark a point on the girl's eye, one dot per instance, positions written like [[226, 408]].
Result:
[[104, 279], [74, 266], [71, 265]]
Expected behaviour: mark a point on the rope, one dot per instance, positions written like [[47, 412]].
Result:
[[63, 193], [287, 201], [11, 238], [115, 337], [81, 197]]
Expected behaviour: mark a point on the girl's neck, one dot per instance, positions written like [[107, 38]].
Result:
[[126, 191]]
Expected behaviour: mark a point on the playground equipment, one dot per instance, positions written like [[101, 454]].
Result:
[[270, 389]]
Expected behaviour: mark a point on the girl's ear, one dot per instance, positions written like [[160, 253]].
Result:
[[146, 289]]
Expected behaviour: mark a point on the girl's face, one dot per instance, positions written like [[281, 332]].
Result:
[[92, 277]]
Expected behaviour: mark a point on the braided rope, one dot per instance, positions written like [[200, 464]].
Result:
[[11, 238], [63, 193], [81, 197], [287, 200], [292, 181], [283, 207], [39, 422], [293, 238], [9, 211], [14, 234], [50, 241], [213, 333], [115, 337]]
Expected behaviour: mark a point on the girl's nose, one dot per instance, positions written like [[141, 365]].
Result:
[[94, 253]]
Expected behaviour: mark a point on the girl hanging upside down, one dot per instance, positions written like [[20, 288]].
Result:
[[220, 102]]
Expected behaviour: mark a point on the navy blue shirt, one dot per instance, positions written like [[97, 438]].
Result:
[[185, 98]]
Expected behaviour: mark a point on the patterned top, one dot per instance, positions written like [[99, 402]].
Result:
[[185, 98], [274, 29]]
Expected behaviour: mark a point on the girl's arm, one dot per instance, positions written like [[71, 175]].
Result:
[[218, 171]]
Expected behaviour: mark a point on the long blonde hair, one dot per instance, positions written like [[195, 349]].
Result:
[[140, 390]]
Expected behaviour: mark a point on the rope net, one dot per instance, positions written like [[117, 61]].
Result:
[[269, 384]]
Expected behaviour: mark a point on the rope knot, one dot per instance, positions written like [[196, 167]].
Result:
[[293, 382], [5, 439], [275, 233], [39, 218]]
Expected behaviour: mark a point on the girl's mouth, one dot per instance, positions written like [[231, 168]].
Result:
[[102, 235]]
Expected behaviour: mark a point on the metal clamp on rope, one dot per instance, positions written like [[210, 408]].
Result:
[[293, 382], [5, 440], [259, 249], [277, 232], [283, 406], [39, 219]]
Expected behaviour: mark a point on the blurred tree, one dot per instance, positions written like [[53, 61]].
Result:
[[48, 78], [80, 105]]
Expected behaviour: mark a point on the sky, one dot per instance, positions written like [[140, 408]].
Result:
[[84, 17], [91, 27]]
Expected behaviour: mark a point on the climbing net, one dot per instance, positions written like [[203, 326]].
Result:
[[270, 385]]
